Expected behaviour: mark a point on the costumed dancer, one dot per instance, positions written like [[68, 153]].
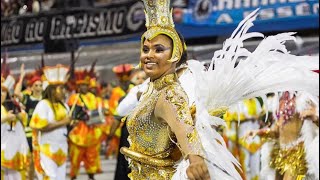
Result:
[[123, 73], [104, 92], [49, 123], [14, 145], [30, 102], [86, 134], [95, 89], [163, 111], [228, 81], [138, 77], [132, 100], [161, 129], [128, 103], [240, 119], [293, 135]]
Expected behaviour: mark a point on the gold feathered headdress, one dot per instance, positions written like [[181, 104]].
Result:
[[159, 20]]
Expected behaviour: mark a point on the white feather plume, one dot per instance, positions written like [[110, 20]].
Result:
[[236, 74], [310, 134], [270, 68], [266, 173]]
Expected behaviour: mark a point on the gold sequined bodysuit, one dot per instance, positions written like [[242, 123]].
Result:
[[288, 154], [155, 126]]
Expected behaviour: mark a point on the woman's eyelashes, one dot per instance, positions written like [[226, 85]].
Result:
[[160, 48], [157, 49], [145, 49]]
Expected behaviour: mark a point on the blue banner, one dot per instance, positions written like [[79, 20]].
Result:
[[220, 17]]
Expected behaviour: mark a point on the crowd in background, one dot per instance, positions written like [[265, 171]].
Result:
[[21, 7], [89, 134]]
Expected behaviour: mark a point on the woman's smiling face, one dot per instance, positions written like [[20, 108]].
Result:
[[155, 55]]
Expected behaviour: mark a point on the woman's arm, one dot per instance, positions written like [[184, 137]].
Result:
[[18, 88], [271, 133], [172, 107], [56, 125], [40, 118], [310, 113], [128, 103]]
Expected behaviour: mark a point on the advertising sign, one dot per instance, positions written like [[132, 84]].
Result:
[[274, 15], [111, 21]]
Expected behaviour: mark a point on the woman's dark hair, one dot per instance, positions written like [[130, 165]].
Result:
[[48, 93], [184, 56]]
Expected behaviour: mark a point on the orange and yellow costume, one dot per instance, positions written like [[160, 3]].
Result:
[[50, 147], [14, 149], [84, 139]]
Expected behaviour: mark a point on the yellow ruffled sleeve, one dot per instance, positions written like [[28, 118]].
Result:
[[39, 118]]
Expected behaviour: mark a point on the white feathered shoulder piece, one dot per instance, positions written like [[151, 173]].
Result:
[[236, 74]]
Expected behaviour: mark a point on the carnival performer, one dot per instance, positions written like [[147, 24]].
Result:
[[133, 98], [125, 106], [30, 102], [94, 88], [14, 145], [49, 123], [164, 112], [244, 117], [105, 91], [138, 77], [123, 73], [293, 129], [163, 116], [86, 134]]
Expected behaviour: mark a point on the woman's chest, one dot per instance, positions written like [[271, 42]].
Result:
[[148, 133], [57, 112], [142, 117]]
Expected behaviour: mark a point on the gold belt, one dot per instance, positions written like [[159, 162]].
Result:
[[135, 156]]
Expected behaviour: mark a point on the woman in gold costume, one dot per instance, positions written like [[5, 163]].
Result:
[[161, 129], [293, 132], [165, 141]]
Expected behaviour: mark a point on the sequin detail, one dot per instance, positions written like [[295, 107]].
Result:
[[290, 160], [151, 137]]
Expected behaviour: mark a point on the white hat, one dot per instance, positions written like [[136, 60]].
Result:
[[56, 75], [8, 83]]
